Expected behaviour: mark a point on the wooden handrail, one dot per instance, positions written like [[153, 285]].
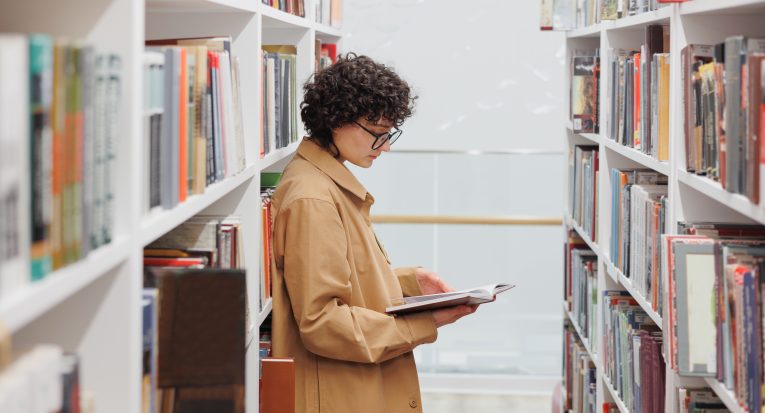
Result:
[[467, 220]]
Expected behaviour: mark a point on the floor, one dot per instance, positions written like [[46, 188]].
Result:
[[471, 403]]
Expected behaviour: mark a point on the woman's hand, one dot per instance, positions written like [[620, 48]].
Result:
[[430, 283]]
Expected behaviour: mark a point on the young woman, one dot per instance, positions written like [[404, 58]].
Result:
[[332, 277]]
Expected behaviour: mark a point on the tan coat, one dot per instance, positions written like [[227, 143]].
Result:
[[331, 284]]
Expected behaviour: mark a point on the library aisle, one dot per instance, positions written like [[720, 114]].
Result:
[[142, 146]]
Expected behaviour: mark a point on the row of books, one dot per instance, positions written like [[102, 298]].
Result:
[[580, 375], [639, 202], [268, 182], [44, 379], [328, 12], [690, 400], [632, 357], [195, 318], [60, 111], [280, 101], [639, 94], [574, 14], [296, 7], [585, 98], [325, 55], [583, 188], [581, 286], [193, 132], [724, 108], [715, 313]]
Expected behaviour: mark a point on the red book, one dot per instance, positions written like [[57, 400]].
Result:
[[189, 262]]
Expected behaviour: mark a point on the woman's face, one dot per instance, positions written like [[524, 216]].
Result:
[[355, 144]]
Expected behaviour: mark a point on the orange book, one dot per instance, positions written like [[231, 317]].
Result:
[[277, 390], [183, 135]]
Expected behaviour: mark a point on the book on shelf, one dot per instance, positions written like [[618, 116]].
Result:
[[209, 241], [691, 400], [280, 100], [44, 379], [60, 110], [150, 392], [200, 338], [472, 296], [577, 14], [193, 132], [722, 101], [328, 12], [580, 286], [638, 94], [326, 55], [579, 375], [296, 7], [585, 80], [715, 312], [268, 182], [583, 188], [639, 205], [277, 385], [632, 356]]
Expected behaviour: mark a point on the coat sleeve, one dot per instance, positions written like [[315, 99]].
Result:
[[408, 281], [317, 277]]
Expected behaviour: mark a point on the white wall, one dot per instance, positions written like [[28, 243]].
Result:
[[486, 76], [488, 79]]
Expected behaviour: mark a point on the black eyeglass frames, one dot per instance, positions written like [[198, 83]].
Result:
[[381, 138]]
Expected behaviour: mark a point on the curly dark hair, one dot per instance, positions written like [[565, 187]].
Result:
[[353, 87]]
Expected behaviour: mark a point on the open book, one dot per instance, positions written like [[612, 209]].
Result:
[[478, 295]]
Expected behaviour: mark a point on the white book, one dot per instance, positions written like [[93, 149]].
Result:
[[14, 155], [473, 296]]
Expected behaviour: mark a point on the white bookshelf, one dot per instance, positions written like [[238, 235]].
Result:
[[691, 197], [93, 307]]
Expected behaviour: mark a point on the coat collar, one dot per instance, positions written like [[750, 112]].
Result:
[[323, 160]]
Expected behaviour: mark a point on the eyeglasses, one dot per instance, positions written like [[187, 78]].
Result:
[[382, 137]]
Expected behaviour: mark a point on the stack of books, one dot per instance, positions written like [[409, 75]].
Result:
[[576, 14], [580, 287], [580, 375]]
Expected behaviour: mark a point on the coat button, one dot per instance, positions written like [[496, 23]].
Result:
[[413, 404]]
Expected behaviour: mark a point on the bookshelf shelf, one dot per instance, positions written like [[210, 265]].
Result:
[[637, 156], [725, 395], [264, 313], [589, 31], [614, 394], [590, 243], [585, 341], [159, 222], [325, 32], [627, 283], [278, 155], [34, 300], [723, 7], [275, 18], [641, 20], [201, 6], [714, 190]]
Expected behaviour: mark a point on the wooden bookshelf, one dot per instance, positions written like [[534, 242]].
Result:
[[691, 197], [95, 304]]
